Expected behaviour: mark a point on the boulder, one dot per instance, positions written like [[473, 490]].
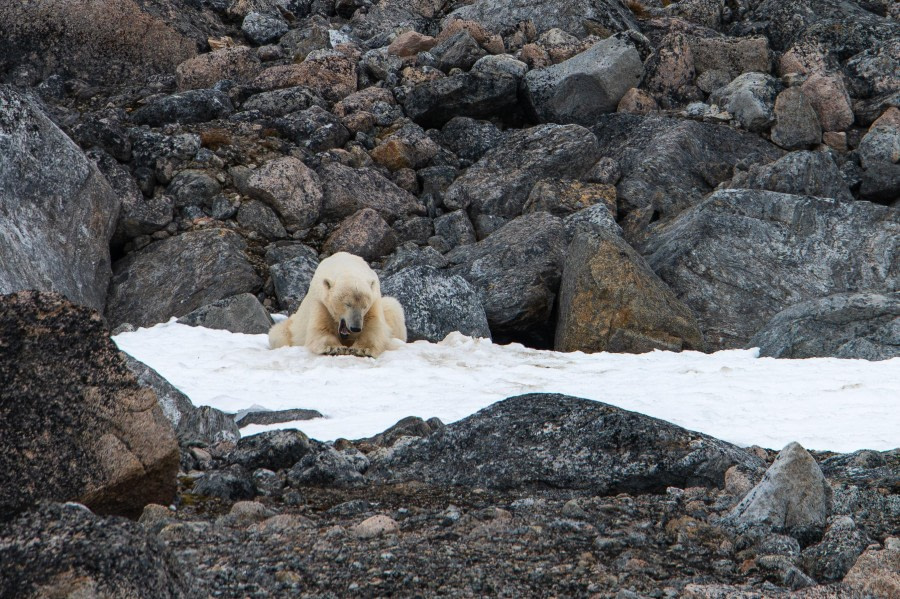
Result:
[[802, 248], [864, 326], [875, 573], [436, 304], [610, 300], [76, 423], [315, 129], [263, 28], [751, 99], [793, 498], [798, 173], [596, 218], [273, 450], [468, 138], [364, 234], [733, 55], [240, 313], [565, 197], [64, 550], [291, 188], [237, 63], [280, 102], [459, 51], [258, 218], [500, 182], [832, 558], [191, 106], [879, 155], [177, 275], [873, 72], [292, 268], [796, 123], [348, 190], [57, 212], [587, 85], [830, 100], [544, 440], [455, 227], [516, 271]]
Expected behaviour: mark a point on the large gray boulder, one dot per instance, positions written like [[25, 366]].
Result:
[[587, 85], [291, 268], [177, 275], [798, 173], [75, 425], [192, 106], [516, 271], [545, 440], [348, 190], [64, 550], [500, 182], [57, 212], [291, 188], [436, 304], [741, 256], [240, 313], [751, 99], [610, 300], [578, 17], [846, 325]]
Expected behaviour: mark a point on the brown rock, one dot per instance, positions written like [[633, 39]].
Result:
[[347, 190], [239, 63], [534, 56], [365, 234], [411, 43], [735, 55], [291, 188], [564, 197], [671, 67], [375, 527], [328, 73], [830, 100], [490, 42], [805, 58], [363, 100], [407, 147], [610, 300], [359, 121], [637, 101], [76, 425], [876, 572], [836, 140]]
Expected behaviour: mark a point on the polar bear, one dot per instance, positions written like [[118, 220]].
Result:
[[343, 312]]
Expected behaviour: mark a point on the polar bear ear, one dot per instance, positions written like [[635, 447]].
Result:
[[327, 284], [372, 283]]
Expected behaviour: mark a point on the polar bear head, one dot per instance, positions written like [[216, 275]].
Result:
[[348, 301]]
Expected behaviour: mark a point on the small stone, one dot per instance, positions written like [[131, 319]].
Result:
[[375, 526], [411, 43], [637, 101]]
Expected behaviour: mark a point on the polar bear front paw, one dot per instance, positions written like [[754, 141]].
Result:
[[361, 352], [332, 350]]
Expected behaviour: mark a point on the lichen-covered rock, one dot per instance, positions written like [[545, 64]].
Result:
[[798, 173], [864, 326], [273, 450], [292, 268], [751, 99], [610, 300], [543, 440], [879, 155], [238, 63], [76, 423], [436, 304], [57, 212], [291, 188], [802, 248], [191, 106], [348, 190], [315, 129], [733, 55], [240, 313], [796, 122], [279, 102], [831, 559], [876, 571], [364, 234], [565, 197]]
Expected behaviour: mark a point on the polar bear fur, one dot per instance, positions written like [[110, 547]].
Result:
[[343, 312]]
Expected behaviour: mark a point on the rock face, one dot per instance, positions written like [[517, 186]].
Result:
[[500, 182], [74, 417], [862, 326], [436, 304], [792, 498], [610, 300], [803, 248], [177, 275], [798, 173], [61, 550], [57, 212], [587, 85], [516, 271], [562, 442]]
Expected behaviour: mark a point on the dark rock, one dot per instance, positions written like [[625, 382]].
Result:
[[411, 426], [596, 219], [193, 188], [104, 131], [455, 227], [610, 300], [280, 102], [348, 190], [459, 51], [156, 151], [273, 450], [436, 304], [291, 276], [325, 466], [229, 484], [468, 138], [550, 441], [865, 469], [864, 326], [177, 275], [192, 106], [239, 314], [516, 271], [204, 425], [587, 85], [562, 197], [578, 17], [799, 173], [276, 416], [259, 218], [314, 128], [57, 212], [500, 182], [880, 158], [873, 71], [364, 234], [751, 99], [733, 298], [796, 122], [793, 498], [263, 28], [434, 181], [74, 417], [832, 558], [410, 255], [60, 550], [291, 188], [407, 147]]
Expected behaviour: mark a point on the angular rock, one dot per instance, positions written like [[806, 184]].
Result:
[[596, 218], [263, 28], [411, 43], [177, 275], [873, 71], [238, 63], [273, 450], [326, 466], [468, 138], [280, 102], [876, 571], [329, 73], [364, 234], [315, 129], [291, 188], [405, 147], [735, 56], [239, 314], [193, 188], [291, 274], [459, 51], [229, 484], [879, 155], [259, 218], [76, 423], [348, 190], [565, 197], [610, 300], [276, 416], [500, 182], [375, 526], [637, 101], [516, 271], [544, 440], [796, 123], [703, 256], [832, 558], [191, 106], [793, 498], [57, 212], [436, 304], [751, 99], [64, 550], [798, 173], [830, 100], [670, 68], [587, 85], [455, 227], [863, 326]]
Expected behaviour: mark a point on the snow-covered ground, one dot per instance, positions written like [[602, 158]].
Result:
[[823, 403]]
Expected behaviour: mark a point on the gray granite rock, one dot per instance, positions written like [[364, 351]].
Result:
[[239, 314]]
